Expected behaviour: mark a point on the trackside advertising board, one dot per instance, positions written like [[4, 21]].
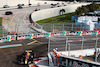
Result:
[[52, 34], [75, 62]]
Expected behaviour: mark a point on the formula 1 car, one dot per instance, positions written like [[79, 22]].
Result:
[[26, 58]]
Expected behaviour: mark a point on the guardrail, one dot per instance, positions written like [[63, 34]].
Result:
[[52, 34]]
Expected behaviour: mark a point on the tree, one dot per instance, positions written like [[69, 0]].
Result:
[[62, 11], [93, 7], [88, 8], [78, 11]]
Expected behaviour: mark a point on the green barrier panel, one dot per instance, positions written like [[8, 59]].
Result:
[[93, 33], [27, 36], [61, 33], [5, 39], [45, 34]]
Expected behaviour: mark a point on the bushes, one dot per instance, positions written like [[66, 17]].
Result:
[[88, 8]]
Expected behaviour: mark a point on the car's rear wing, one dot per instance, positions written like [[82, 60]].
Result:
[[28, 51]]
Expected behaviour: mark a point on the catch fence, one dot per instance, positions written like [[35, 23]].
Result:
[[65, 43], [55, 27], [40, 28]]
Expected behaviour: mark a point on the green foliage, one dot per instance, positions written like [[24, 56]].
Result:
[[88, 8], [0, 27], [58, 19], [62, 11], [0, 21]]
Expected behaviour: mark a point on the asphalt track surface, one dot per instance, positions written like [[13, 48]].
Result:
[[8, 56]]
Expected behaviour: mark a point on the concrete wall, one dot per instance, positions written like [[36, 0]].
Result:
[[77, 53], [51, 12]]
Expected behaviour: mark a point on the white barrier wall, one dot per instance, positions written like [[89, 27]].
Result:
[[77, 53], [51, 12]]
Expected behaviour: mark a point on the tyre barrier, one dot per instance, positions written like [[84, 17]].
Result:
[[41, 35]]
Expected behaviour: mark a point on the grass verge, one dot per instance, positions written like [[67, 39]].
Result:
[[0, 21], [66, 18], [0, 26]]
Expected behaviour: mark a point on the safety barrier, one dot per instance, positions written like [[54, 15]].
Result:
[[43, 14], [75, 62], [7, 39], [52, 34]]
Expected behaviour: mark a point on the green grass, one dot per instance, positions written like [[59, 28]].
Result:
[[66, 18], [0, 21], [0, 27]]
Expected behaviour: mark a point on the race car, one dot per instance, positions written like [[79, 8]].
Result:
[[26, 58]]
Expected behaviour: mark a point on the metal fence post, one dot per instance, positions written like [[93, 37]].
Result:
[[52, 27], [52, 19], [15, 28], [49, 45], [72, 27], [3, 31], [66, 43], [82, 43], [96, 49], [69, 49], [29, 30], [83, 28], [63, 28], [41, 28]]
